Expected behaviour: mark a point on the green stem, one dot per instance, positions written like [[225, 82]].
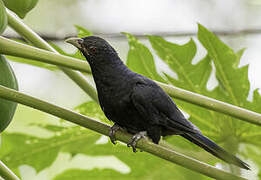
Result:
[[22, 29], [212, 104], [102, 128], [26, 32], [13, 48], [6, 173]]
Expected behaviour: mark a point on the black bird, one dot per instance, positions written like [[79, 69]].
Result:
[[137, 104]]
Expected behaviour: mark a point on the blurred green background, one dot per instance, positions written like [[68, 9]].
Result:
[[238, 23]]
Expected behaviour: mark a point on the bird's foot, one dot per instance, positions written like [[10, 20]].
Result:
[[112, 132], [135, 139]]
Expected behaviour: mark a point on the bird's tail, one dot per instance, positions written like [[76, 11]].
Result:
[[214, 149]]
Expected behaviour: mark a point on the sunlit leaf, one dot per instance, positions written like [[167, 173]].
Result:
[[141, 60], [233, 87]]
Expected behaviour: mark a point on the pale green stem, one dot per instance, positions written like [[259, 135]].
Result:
[[13, 48], [102, 128], [212, 104], [27, 33], [6, 173]]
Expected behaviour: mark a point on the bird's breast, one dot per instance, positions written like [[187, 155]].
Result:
[[118, 107]]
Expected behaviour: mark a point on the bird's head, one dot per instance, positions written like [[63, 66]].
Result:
[[95, 49]]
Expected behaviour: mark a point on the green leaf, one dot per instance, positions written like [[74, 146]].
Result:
[[234, 83], [179, 59], [192, 77], [140, 59], [7, 79], [234, 80], [81, 144], [92, 109], [21, 8], [233, 88], [101, 160], [90, 155], [156, 169], [82, 32], [3, 17]]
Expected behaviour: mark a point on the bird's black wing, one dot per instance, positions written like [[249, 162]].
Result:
[[157, 108]]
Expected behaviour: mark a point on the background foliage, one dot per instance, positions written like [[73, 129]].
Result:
[[72, 152], [73, 145]]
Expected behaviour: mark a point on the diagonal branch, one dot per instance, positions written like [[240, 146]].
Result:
[[146, 145], [6, 173]]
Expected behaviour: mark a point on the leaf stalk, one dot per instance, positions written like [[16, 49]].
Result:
[[6, 173]]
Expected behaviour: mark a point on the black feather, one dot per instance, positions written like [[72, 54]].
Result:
[[213, 148]]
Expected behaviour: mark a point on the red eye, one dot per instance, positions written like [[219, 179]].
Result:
[[93, 49]]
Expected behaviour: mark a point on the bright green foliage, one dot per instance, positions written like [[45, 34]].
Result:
[[20, 7], [42, 153], [7, 79], [232, 79], [233, 87], [93, 109], [3, 17], [141, 60]]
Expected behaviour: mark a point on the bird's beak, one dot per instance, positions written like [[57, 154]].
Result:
[[77, 42]]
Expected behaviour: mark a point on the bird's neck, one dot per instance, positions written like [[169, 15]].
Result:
[[105, 73]]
